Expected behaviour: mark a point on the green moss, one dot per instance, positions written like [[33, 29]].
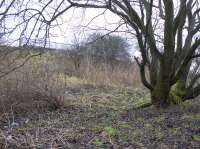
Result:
[[174, 98], [177, 93]]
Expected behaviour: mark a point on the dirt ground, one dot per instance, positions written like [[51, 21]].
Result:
[[99, 118]]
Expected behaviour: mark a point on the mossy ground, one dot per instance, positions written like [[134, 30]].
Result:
[[104, 118]]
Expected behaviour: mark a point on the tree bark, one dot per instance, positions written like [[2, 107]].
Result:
[[160, 97], [165, 95], [160, 93]]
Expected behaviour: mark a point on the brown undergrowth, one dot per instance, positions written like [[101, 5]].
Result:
[[49, 104], [42, 83]]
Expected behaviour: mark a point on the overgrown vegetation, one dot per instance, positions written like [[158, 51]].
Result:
[[103, 118], [47, 104], [167, 33], [44, 80], [89, 96]]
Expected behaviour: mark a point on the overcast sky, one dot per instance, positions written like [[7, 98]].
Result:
[[76, 19], [80, 23]]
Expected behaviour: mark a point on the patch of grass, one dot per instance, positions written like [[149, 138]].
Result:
[[142, 101], [124, 125], [72, 135], [98, 128], [110, 131], [160, 135], [175, 131], [196, 117], [97, 142], [136, 135], [124, 137], [147, 125], [196, 138], [71, 79], [140, 119]]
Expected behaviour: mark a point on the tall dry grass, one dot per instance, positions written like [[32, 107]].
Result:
[[42, 82], [103, 75]]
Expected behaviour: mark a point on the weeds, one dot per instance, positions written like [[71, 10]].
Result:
[[45, 80]]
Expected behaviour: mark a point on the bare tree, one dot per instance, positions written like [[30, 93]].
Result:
[[75, 53], [107, 49], [12, 58], [166, 30]]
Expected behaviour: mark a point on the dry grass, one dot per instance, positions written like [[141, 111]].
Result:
[[99, 109], [103, 75], [41, 84]]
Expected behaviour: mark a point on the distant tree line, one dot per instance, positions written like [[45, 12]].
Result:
[[98, 49]]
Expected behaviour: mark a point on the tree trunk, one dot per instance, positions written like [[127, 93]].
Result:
[[160, 96], [164, 95], [161, 92]]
